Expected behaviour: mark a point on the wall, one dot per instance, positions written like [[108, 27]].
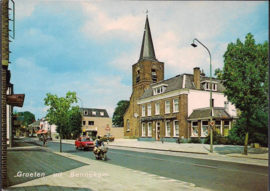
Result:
[[201, 99], [100, 123]]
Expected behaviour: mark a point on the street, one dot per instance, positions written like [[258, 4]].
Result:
[[209, 174]]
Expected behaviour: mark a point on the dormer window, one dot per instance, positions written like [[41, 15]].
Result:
[[94, 113], [101, 113], [85, 112], [206, 85], [159, 89]]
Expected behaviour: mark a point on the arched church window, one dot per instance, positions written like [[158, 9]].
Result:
[[128, 126], [154, 73], [138, 76]]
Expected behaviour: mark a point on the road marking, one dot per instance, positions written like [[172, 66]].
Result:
[[205, 166], [161, 177]]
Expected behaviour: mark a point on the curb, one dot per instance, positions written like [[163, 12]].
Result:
[[242, 156]]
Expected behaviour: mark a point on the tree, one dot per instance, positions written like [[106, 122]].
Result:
[[245, 77], [75, 121], [118, 114], [58, 111], [28, 118]]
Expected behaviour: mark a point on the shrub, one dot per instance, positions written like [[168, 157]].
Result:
[[217, 139], [194, 140]]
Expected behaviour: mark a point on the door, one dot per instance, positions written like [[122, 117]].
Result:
[[157, 131]]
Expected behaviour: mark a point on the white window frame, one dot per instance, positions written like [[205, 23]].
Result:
[[220, 129], [149, 110], [229, 127], [101, 113], [143, 111], [94, 113], [157, 109], [166, 128], [175, 109], [192, 130], [143, 130], [85, 112], [159, 89], [202, 135], [174, 129], [167, 110], [149, 129]]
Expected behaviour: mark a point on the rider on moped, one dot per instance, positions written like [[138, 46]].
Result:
[[98, 144]]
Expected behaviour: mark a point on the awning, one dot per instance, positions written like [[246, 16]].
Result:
[[15, 99], [42, 131]]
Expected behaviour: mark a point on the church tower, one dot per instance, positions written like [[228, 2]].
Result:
[[146, 71]]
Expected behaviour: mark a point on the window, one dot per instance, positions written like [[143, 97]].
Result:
[[143, 129], [168, 129], [159, 89], [167, 106], [128, 126], [207, 86], [154, 75], [90, 122], [101, 113], [204, 129], [143, 110], [149, 110], [157, 108], [175, 105], [226, 128], [194, 129], [85, 112], [176, 128], [83, 122], [217, 127], [149, 129], [94, 112]]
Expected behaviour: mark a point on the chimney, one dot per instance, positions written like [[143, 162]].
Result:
[[197, 75]]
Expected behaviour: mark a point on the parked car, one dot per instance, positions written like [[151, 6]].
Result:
[[84, 143], [104, 138]]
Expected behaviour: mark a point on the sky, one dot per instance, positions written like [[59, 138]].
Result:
[[89, 47]]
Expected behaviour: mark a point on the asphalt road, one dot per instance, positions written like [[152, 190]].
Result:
[[209, 174]]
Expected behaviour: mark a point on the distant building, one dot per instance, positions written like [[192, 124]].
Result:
[[174, 108], [95, 121]]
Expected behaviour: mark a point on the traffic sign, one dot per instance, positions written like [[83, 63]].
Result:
[[107, 128], [212, 123]]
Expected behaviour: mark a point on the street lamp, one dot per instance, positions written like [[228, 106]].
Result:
[[82, 109], [211, 136]]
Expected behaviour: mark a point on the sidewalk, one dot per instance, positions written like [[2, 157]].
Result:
[[38, 168]]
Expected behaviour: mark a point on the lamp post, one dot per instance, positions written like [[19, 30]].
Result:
[[211, 112], [82, 109]]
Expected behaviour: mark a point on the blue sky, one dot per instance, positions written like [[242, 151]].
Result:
[[89, 46]]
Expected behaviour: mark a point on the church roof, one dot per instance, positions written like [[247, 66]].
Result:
[[147, 49], [176, 83]]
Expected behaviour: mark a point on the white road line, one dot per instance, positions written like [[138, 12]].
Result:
[[205, 166]]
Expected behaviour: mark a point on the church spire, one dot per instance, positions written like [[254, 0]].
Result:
[[147, 49]]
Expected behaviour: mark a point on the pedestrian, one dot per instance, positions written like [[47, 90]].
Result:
[[44, 140]]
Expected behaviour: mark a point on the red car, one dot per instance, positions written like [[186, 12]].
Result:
[[84, 143]]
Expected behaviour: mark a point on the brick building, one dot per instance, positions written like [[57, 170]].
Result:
[[174, 108], [9, 99]]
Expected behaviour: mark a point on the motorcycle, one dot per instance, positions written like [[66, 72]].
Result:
[[101, 153]]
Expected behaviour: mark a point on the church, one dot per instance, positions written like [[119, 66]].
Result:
[[173, 108]]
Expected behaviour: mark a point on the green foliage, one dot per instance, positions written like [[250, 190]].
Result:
[[258, 129], [74, 121], [118, 115], [194, 140], [217, 139], [58, 111], [245, 77], [28, 118]]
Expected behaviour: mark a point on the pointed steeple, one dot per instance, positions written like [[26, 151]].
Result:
[[147, 49]]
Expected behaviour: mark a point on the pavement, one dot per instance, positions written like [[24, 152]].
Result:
[[35, 167], [61, 169]]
